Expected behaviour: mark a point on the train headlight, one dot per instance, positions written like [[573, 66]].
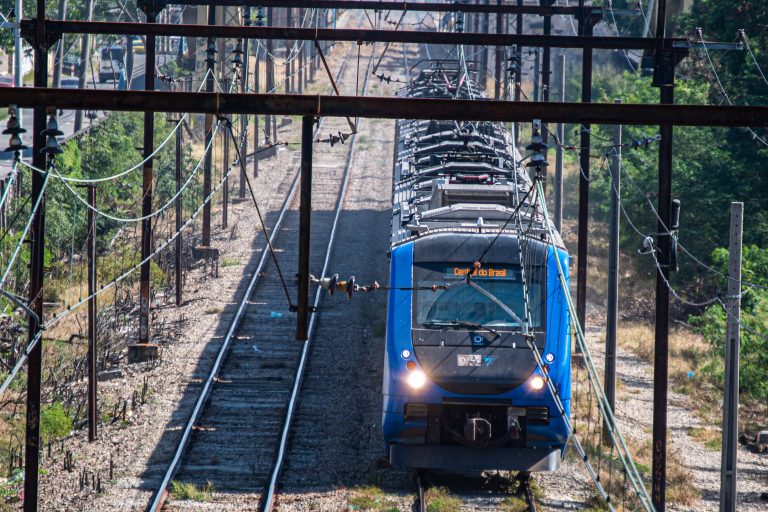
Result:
[[537, 382], [416, 379]]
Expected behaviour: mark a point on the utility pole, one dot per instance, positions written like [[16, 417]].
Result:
[[34, 360], [85, 52], [728, 465], [613, 276], [143, 350], [256, 132], [210, 60], [585, 29], [559, 150], [93, 417], [300, 68], [305, 213], [546, 72]]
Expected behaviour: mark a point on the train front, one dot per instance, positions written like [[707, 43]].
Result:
[[462, 390]]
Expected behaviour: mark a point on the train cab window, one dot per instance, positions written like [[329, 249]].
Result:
[[461, 303]]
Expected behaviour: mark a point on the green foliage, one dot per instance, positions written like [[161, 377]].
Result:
[[753, 364], [54, 422], [371, 499], [189, 491], [440, 499]]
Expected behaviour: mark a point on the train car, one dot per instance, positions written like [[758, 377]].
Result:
[[462, 389]]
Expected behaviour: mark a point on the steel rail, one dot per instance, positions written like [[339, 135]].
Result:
[[421, 494], [53, 28], [268, 502], [375, 5], [161, 494], [390, 107]]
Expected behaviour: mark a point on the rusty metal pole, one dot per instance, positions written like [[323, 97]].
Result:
[[518, 68], [585, 26], [271, 121], [225, 187], [34, 360], [179, 215], [245, 77], [664, 78], [288, 58], [499, 51], [145, 336], [256, 88], [210, 60], [305, 214], [92, 375]]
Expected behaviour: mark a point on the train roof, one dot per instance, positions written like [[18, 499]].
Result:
[[458, 177]]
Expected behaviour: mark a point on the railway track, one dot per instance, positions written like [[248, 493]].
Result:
[[236, 436]]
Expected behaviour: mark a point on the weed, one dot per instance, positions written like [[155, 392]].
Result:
[[440, 499], [514, 504], [372, 499], [189, 491], [214, 311], [229, 262]]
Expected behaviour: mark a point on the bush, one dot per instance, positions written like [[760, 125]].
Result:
[[54, 422]]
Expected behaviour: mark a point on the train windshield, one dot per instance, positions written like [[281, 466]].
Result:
[[461, 305]]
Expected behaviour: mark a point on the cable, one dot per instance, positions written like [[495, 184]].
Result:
[[744, 39], [602, 400], [24, 232], [699, 33]]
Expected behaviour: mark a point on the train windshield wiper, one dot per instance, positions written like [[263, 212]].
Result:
[[462, 323]]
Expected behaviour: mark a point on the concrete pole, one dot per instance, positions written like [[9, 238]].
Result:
[[85, 52], [560, 129], [57, 63], [92, 331], [731, 385]]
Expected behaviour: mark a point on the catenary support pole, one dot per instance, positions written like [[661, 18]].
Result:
[[85, 52], [244, 88], [498, 53], [664, 78], [179, 218], [58, 60], [256, 129], [585, 26], [536, 74], [518, 68], [34, 361], [484, 55], [611, 327], [288, 57], [305, 209], [93, 417], [546, 72], [560, 130], [209, 85], [225, 186], [270, 59], [145, 335], [731, 386]]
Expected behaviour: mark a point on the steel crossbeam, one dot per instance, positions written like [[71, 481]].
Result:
[[55, 29], [390, 107]]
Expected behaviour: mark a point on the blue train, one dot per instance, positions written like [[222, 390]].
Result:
[[462, 390]]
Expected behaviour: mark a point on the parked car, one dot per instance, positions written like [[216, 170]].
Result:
[[71, 65], [110, 63], [138, 45], [6, 81], [69, 83]]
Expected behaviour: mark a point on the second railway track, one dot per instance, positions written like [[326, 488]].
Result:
[[237, 434]]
